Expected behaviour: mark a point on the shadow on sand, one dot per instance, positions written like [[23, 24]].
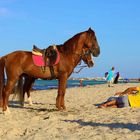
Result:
[[130, 126], [16, 104]]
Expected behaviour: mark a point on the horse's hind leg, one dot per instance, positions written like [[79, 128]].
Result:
[[27, 87], [6, 92]]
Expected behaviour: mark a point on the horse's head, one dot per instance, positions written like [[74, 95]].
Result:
[[87, 57], [91, 42]]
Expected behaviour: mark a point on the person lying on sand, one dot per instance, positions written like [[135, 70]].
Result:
[[128, 98]]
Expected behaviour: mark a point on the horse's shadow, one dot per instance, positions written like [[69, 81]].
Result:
[[16, 104], [130, 126]]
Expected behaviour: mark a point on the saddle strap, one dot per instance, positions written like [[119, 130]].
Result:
[[45, 56]]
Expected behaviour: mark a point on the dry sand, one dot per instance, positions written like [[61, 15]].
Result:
[[81, 121]]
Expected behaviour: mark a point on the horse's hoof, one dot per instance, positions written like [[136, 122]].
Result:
[[63, 108], [30, 101], [7, 111], [59, 108]]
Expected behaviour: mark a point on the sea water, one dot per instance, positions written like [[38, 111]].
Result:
[[53, 84]]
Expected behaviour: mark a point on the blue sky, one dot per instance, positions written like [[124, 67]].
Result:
[[45, 22]]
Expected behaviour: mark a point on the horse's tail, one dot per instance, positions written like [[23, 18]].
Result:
[[2, 79], [18, 91]]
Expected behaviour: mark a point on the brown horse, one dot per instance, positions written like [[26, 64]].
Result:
[[20, 62], [25, 82]]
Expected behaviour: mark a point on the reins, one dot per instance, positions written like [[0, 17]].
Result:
[[84, 66], [80, 68]]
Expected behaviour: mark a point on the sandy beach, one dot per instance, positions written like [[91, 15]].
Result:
[[81, 121]]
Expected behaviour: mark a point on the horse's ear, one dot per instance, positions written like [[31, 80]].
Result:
[[89, 29]]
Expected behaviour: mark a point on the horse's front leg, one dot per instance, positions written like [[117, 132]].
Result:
[[60, 103]]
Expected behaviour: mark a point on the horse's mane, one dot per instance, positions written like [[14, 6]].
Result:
[[68, 46]]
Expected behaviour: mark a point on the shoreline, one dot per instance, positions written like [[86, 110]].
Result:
[[53, 84]]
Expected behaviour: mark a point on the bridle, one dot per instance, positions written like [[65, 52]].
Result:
[[92, 49], [84, 53]]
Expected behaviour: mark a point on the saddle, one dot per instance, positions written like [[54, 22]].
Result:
[[45, 57]]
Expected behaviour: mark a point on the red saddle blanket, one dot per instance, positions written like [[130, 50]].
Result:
[[39, 61]]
